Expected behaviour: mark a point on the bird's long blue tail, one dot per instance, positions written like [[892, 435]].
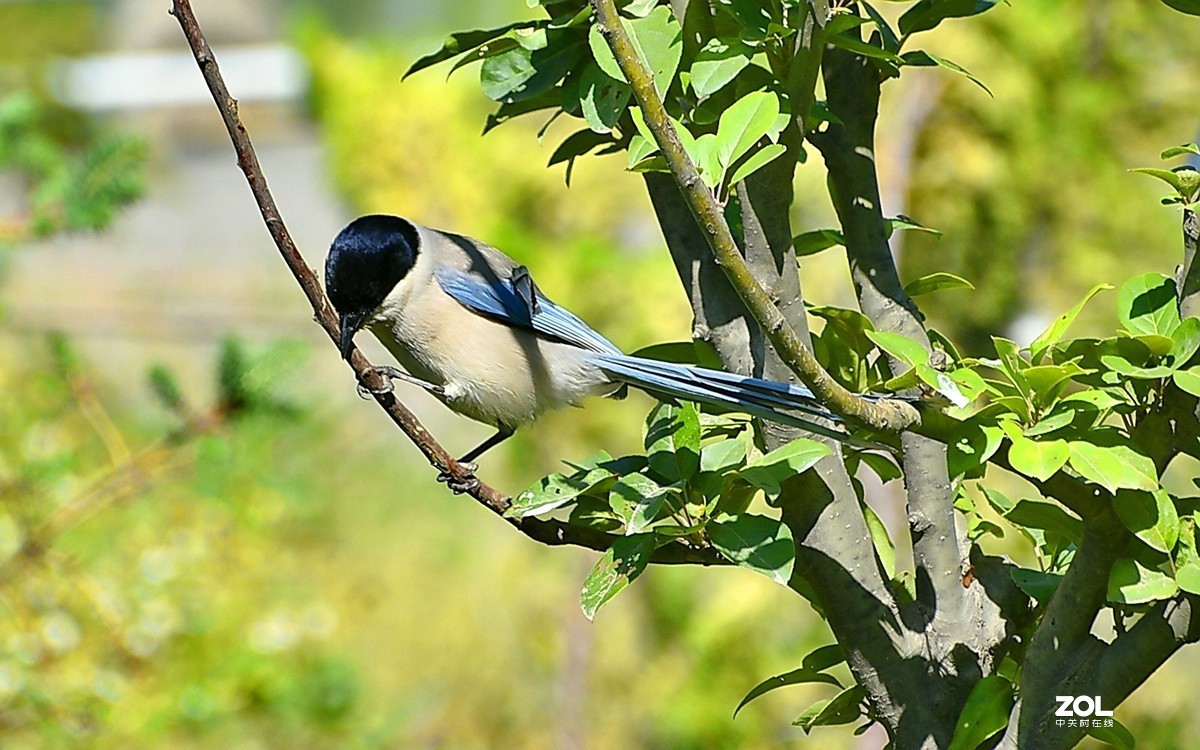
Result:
[[777, 402]]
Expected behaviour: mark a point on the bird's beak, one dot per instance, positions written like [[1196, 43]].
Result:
[[350, 323]]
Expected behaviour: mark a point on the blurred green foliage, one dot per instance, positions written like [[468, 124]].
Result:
[[77, 179], [1031, 189], [134, 566]]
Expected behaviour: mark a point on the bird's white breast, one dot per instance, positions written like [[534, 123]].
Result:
[[491, 372]]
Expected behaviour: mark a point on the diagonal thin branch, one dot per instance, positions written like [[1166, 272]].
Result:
[[882, 415], [547, 532]]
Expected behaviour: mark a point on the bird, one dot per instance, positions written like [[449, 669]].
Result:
[[469, 325]]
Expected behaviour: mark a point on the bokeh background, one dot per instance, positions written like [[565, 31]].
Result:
[[207, 540]]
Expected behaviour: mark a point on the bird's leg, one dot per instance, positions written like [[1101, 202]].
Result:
[[388, 373], [468, 462]]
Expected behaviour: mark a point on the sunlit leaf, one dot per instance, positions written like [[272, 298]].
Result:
[[935, 282], [1130, 582], [1052, 335], [1113, 467], [554, 492], [718, 63], [1147, 304], [744, 123], [757, 160], [771, 470], [1187, 148], [618, 566], [901, 347], [759, 543], [673, 440], [1151, 516]]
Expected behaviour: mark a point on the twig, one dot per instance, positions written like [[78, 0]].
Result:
[[892, 416], [548, 532]]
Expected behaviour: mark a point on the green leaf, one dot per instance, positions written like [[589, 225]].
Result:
[[823, 658], [984, 714], [705, 153], [640, 8], [795, 677], [1038, 514], [1151, 516], [1185, 342], [637, 499], [465, 41], [722, 455], [851, 44], [1130, 582], [673, 441], [884, 467], [554, 492], [817, 240], [508, 111], [577, 144], [1188, 380], [901, 347], [972, 444], [921, 58], [843, 22], [602, 99], [1037, 458], [718, 63], [883, 542], [942, 384], [1188, 577], [1166, 175], [998, 500], [927, 14], [757, 160], [1092, 397], [618, 566], [1052, 335], [744, 123], [759, 543], [1187, 148], [902, 222], [1116, 735], [529, 70], [842, 709], [1038, 585], [770, 471], [1113, 467], [658, 40], [1147, 304], [935, 282]]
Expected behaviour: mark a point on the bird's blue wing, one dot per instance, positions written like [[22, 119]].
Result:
[[509, 301]]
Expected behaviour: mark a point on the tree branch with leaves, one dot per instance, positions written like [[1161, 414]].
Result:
[[716, 103]]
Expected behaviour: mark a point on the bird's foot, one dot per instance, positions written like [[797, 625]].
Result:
[[388, 374], [459, 486]]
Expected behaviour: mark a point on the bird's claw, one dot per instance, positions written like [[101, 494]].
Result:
[[460, 486], [388, 373]]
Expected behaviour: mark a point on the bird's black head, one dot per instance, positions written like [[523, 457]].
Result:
[[365, 262]]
